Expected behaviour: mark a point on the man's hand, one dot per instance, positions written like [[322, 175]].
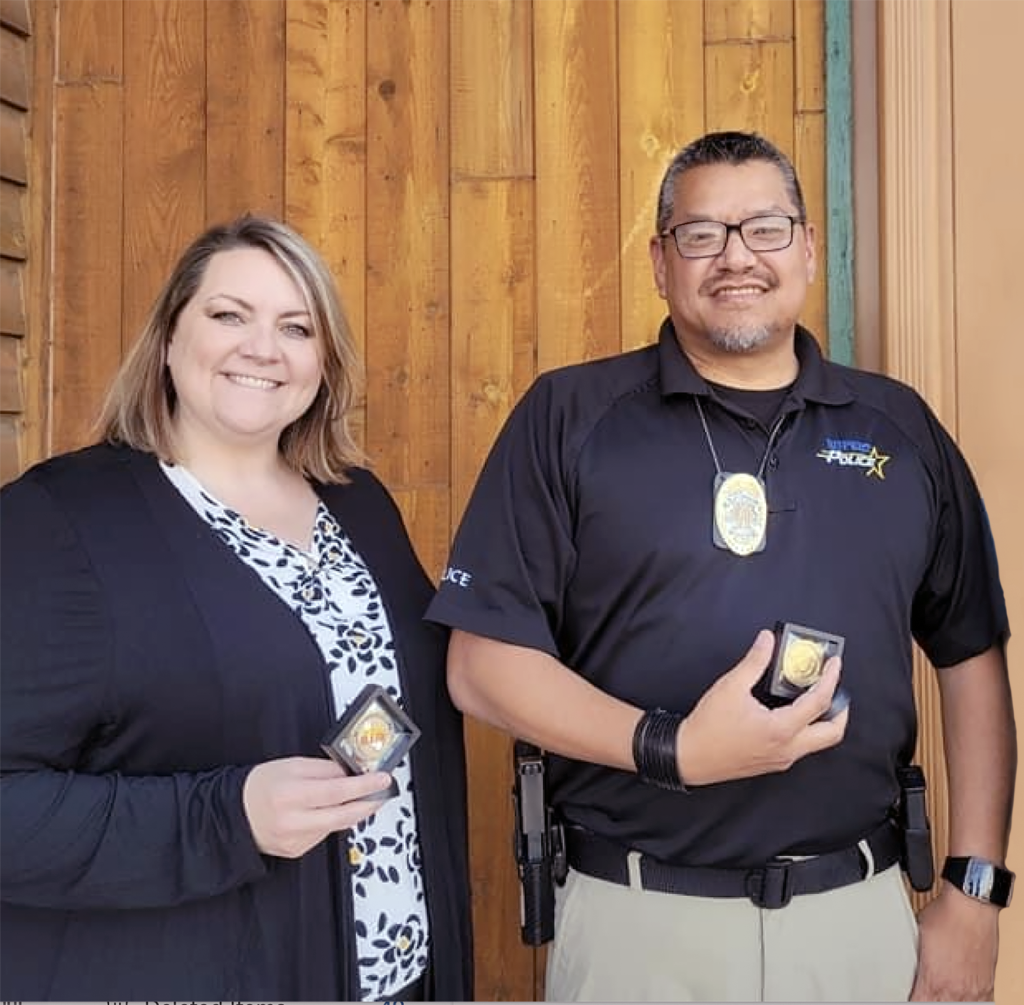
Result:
[[730, 734], [959, 941], [295, 802]]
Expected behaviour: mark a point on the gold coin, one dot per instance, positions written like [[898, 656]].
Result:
[[802, 662], [373, 736]]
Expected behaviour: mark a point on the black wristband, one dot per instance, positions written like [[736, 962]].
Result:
[[654, 749]]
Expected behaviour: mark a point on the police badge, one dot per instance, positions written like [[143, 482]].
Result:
[[741, 513]]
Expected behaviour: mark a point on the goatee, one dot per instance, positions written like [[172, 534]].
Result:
[[739, 339]]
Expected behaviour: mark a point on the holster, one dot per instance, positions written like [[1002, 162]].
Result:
[[538, 844], [916, 858]]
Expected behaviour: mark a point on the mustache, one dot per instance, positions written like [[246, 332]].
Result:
[[725, 278]]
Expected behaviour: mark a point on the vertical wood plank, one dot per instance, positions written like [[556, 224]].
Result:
[[492, 89], [35, 428], [809, 53], [492, 318], [89, 45], [751, 87], [325, 152], [661, 108], [407, 422], [245, 70], [492, 322], [809, 161], [918, 304], [88, 220], [740, 20], [577, 181], [492, 361], [809, 153], [165, 182]]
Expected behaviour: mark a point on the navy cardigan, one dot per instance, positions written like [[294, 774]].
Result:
[[145, 671]]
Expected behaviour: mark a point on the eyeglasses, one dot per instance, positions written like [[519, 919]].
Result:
[[708, 238]]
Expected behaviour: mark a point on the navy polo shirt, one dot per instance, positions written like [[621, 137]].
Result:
[[589, 537]]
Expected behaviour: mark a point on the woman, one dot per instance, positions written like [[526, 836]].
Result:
[[187, 608]]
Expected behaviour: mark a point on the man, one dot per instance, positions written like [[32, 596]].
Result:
[[640, 526]]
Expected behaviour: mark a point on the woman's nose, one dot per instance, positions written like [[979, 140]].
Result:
[[261, 341]]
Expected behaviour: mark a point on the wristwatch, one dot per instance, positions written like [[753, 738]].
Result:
[[980, 879]]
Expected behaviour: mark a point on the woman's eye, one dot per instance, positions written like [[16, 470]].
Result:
[[226, 316], [297, 331]]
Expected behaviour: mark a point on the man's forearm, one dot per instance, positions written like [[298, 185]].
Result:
[[533, 696], [981, 754]]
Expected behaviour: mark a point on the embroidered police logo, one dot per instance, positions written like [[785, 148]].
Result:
[[854, 454]]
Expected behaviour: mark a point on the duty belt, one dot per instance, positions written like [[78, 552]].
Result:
[[772, 885]]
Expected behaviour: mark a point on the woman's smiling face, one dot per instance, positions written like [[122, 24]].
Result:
[[244, 359]]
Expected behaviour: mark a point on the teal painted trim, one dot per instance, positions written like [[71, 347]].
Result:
[[839, 178]]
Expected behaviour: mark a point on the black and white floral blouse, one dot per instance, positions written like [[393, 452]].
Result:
[[333, 593]]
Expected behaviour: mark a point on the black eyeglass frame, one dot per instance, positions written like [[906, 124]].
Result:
[[794, 221]]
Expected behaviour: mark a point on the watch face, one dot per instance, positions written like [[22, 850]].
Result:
[[979, 879]]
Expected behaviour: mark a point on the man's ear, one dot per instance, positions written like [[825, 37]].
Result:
[[656, 249], [811, 251]]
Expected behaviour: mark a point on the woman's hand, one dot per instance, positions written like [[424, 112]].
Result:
[[295, 802]]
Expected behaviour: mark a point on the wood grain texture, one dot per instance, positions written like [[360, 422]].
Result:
[[245, 108], [740, 20], [661, 108], [491, 96], [751, 87], [809, 161], [13, 145], [14, 14], [577, 183], [407, 316], [10, 448], [507, 970], [34, 428], [88, 236], [493, 338], [325, 152], [12, 298], [13, 230], [809, 53], [91, 33], [917, 246], [165, 140], [14, 87], [12, 397]]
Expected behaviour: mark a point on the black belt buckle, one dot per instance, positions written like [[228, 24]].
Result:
[[772, 886]]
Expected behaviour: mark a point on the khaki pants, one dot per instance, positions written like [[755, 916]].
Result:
[[614, 943]]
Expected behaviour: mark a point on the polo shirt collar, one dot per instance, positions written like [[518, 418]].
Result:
[[818, 380]]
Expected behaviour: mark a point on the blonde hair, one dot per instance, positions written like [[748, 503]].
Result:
[[140, 404]]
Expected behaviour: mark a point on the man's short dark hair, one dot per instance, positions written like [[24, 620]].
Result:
[[725, 148]]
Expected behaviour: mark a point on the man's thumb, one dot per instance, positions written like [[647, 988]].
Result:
[[755, 662]]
